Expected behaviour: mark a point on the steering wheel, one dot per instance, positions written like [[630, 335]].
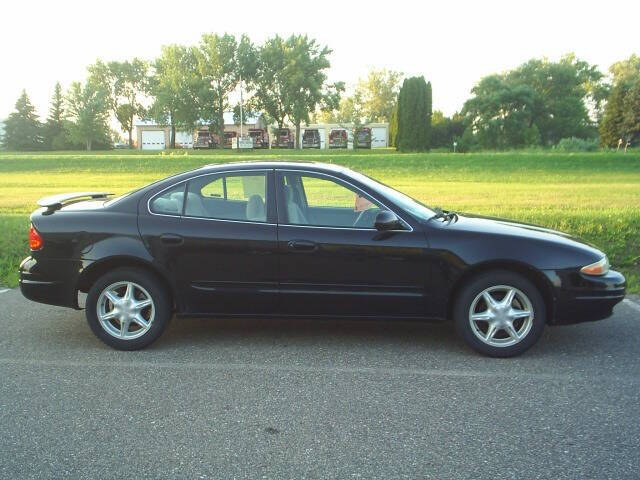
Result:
[[366, 218]]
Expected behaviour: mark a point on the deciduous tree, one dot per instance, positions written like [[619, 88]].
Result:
[[175, 87], [621, 117], [540, 102], [373, 100], [378, 94], [88, 114], [125, 82], [445, 130], [222, 64], [292, 80], [270, 84], [499, 113]]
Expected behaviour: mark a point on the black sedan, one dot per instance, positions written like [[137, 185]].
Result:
[[305, 240]]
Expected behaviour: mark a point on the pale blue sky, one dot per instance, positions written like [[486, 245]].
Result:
[[451, 43]]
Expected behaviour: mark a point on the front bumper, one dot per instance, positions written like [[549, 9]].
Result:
[[584, 298], [52, 282]]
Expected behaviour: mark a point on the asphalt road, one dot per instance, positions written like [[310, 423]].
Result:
[[314, 399]]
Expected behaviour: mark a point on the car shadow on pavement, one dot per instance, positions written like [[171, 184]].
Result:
[[68, 331], [305, 332]]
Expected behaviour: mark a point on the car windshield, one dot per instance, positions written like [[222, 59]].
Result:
[[414, 207]]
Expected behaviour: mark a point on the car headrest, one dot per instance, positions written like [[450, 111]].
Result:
[[166, 205], [255, 209]]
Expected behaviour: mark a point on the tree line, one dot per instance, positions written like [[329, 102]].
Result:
[[185, 87], [543, 104], [540, 103]]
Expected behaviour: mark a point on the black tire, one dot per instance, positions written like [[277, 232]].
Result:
[[478, 284], [162, 306]]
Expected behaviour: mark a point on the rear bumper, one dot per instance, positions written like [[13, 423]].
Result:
[[584, 298], [52, 282]]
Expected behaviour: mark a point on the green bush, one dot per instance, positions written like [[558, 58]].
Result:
[[574, 144]]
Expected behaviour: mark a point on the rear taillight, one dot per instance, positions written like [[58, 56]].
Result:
[[35, 240]]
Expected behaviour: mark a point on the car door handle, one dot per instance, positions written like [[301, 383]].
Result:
[[302, 245], [171, 239]]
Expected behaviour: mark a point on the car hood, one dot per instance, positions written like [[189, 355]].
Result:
[[503, 227]]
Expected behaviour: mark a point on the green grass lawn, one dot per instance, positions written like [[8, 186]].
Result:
[[595, 196]]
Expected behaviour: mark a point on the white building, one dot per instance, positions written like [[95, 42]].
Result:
[[152, 136]]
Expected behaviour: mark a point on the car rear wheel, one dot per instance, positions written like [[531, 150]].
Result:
[[500, 314], [128, 309]]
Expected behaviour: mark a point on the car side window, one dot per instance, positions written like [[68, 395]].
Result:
[[324, 202], [228, 197], [169, 202]]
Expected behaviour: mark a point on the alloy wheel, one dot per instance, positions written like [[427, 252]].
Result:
[[501, 316], [125, 310]]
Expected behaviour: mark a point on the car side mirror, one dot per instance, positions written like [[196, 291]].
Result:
[[386, 220]]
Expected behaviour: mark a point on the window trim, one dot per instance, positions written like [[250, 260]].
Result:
[[279, 193], [224, 172]]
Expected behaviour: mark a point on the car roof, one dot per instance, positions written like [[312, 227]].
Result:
[[317, 166]]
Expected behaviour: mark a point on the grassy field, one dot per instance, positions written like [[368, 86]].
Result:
[[595, 196]]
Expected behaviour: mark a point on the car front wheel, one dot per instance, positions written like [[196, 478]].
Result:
[[500, 314], [128, 309]]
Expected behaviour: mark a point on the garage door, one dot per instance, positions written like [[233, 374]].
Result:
[[378, 137], [184, 139], [153, 140]]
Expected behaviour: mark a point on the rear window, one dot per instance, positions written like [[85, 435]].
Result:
[[169, 202], [238, 196]]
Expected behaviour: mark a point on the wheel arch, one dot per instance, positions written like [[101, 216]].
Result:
[[95, 270], [531, 273]]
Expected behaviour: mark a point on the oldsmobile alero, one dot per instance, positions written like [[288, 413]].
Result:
[[305, 240]]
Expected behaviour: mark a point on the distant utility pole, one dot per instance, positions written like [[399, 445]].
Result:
[[240, 106]]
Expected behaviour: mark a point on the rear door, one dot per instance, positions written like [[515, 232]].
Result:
[[334, 262], [217, 235]]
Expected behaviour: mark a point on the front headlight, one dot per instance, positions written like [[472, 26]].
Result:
[[601, 267]]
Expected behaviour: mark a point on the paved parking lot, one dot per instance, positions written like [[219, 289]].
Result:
[[314, 399]]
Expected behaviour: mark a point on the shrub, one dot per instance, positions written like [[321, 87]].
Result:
[[575, 144]]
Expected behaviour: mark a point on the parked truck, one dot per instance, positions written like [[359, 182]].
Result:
[[362, 137], [260, 137], [228, 138], [204, 139], [338, 138], [311, 138], [283, 139]]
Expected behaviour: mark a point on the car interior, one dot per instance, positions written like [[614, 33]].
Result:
[[318, 201], [239, 197], [308, 199]]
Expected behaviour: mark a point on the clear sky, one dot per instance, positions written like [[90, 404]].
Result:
[[453, 43]]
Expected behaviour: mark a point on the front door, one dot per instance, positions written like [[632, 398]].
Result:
[[333, 261], [217, 235]]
